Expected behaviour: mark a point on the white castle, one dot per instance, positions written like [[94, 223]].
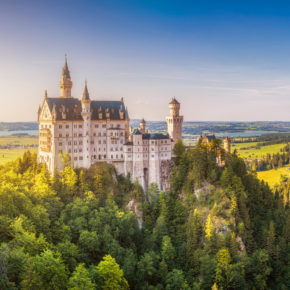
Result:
[[92, 131]]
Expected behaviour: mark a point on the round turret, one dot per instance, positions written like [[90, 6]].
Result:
[[142, 126], [174, 107]]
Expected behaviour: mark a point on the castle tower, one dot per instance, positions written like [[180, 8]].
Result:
[[65, 83], [142, 126], [227, 144], [86, 114], [174, 121]]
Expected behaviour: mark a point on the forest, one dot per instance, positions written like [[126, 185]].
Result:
[[217, 228]]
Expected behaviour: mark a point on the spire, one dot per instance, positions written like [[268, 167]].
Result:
[[86, 96], [65, 70], [65, 83], [45, 94]]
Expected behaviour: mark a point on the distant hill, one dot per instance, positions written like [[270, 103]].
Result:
[[194, 128], [16, 126]]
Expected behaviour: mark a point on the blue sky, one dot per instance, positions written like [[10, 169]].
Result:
[[223, 60]]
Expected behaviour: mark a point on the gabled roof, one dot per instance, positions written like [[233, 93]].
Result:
[[72, 108], [112, 107]]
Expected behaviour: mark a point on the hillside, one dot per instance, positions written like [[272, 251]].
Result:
[[92, 229]]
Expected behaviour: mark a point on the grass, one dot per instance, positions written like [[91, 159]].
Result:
[[7, 155], [15, 140], [247, 150], [273, 176]]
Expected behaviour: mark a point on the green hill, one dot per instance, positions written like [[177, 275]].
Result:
[[218, 227]]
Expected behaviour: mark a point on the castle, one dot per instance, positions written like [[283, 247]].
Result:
[[91, 131]]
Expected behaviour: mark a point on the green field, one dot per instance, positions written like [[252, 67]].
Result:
[[247, 150], [7, 155], [15, 140], [273, 177]]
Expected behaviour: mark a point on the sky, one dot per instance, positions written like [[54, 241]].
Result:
[[223, 60]]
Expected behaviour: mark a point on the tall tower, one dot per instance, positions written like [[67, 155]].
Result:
[[65, 83], [86, 114], [142, 126], [174, 121], [227, 144]]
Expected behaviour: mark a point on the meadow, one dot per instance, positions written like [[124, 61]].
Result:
[[273, 176], [12, 147], [252, 150]]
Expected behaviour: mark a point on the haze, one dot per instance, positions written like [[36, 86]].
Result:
[[223, 60]]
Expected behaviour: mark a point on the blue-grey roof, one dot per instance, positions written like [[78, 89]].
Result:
[[73, 109], [154, 136], [136, 132], [210, 137]]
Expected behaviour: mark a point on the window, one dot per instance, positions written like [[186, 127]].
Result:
[[60, 144], [104, 134], [80, 142], [80, 135], [81, 158], [104, 126], [96, 126], [121, 155], [80, 126], [104, 142], [67, 126], [75, 158], [100, 142], [75, 142], [69, 150], [80, 150], [99, 134], [69, 143], [67, 135], [111, 156], [60, 135], [92, 142], [75, 134], [60, 126]]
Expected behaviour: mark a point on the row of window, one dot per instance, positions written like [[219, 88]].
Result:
[[100, 157], [146, 156], [67, 126]]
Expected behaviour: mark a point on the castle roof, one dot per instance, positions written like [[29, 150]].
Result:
[[154, 136], [72, 108], [86, 96], [174, 102], [65, 70], [136, 132]]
